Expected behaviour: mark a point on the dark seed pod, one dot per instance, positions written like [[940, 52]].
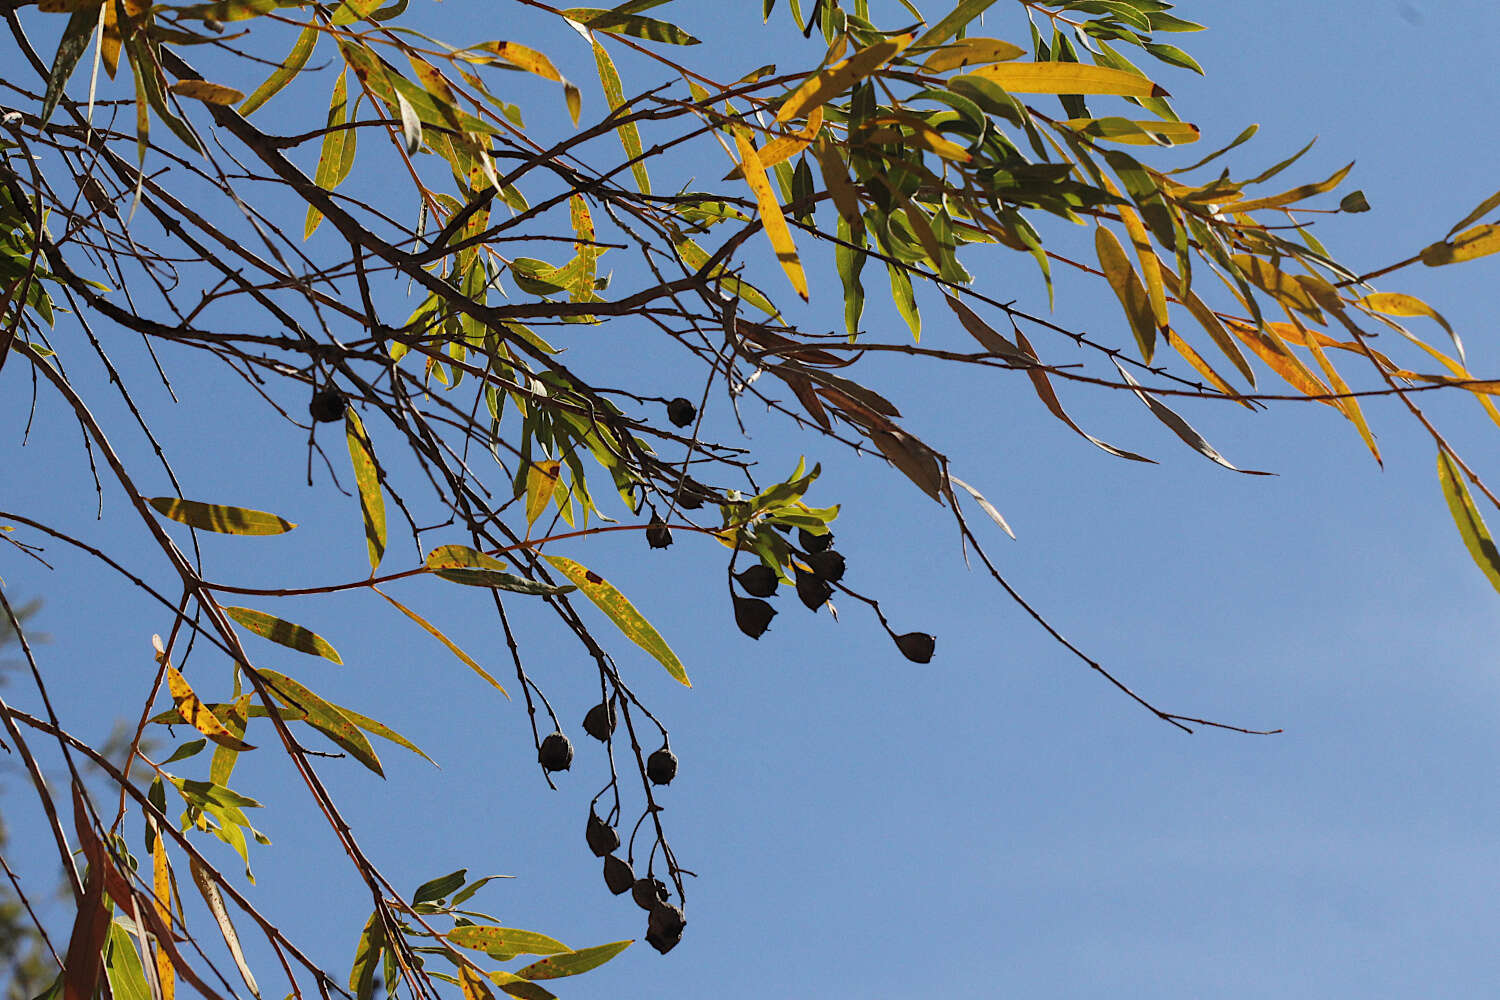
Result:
[[600, 721], [759, 580], [681, 412], [658, 536], [690, 494], [813, 543], [664, 928], [661, 767], [814, 591], [916, 646], [827, 565], [602, 838], [327, 406], [753, 616], [648, 891], [617, 875], [556, 753]]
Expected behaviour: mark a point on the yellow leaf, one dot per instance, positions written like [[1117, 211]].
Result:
[[1069, 78], [196, 714], [630, 621], [1397, 304], [770, 213], [220, 518], [367, 478], [785, 147], [1137, 133], [208, 93], [1128, 290], [1470, 524], [836, 178], [541, 480], [440, 637], [285, 633], [1481, 241], [971, 52], [1295, 194], [823, 87], [161, 885]]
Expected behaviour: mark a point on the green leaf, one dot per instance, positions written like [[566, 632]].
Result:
[[966, 11], [503, 581], [286, 633], [614, 96], [630, 621], [505, 941], [622, 23], [440, 887], [302, 50], [366, 475], [573, 962], [367, 958], [323, 716], [185, 751], [75, 39], [385, 732], [331, 154], [220, 518], [1471, 525], [122, 966]]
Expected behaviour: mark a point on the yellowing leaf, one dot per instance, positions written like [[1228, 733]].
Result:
[[573, 962], [302, 50], [1137, 133], [284, 632], [1296, 194], [823, 87], [1128, 289], [1481, 241], [770, 213], [630, 136], [367, 478], [630, 621], [1471, 525], [196, 714], [1068, 78], [208, 93], [460, 557], [220, 518], [541, 480], [161, 890], [209, 890], [440, 637], [323, 716], [971, 52], [785, 147], [505, 941]]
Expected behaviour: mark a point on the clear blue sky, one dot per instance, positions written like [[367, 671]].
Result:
[[999, 822]]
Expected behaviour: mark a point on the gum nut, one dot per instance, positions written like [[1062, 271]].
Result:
[[813, 543], [556, 753], [813, 591], [759, 580], [327, 406], [617, 875], [658, 535], [916, 646], [661, 767], [664, 927], [600, 721], [602, 838], [648, 891], [827, 565], [681, 412], [753, 616]]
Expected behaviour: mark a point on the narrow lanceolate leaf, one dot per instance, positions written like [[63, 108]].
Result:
[[196, 714], [331, 155], [209, 890], [573, 962], [619, 23], [1470, 525], [377, 728], [770, 213], [161, 889], [1137, 133], [440, 637], [984, 504], [367, 958], [1128, 289], [1179, 426], [1048, 396], [208, 93], [1068, 78], [820, 88], [630, 621], [286, 633], [367, 477], [411, 125], [541, 480], [971, 52], [505, 941], [75, 39], [323, 716], [501, 581], [961, 15], [302, 50], [460, 557], [614, 96], [90, 926], [1397, 304], [1481, 241], [122, 965], [914, 459], [218, 517], [1295, 195]]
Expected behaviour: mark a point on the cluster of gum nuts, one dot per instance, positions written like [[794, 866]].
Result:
[[666, 922]]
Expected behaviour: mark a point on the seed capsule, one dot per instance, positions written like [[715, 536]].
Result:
[[681, 412], [658, 536], [916, 646], [664, 928], [600, 721], [827, 565], [690, 494], [602, 838], [753, 616], [813, 591], [813, 543], [648, 891], [617, 875], [327, 406], [661, 767], [556, 753], [759, 580]]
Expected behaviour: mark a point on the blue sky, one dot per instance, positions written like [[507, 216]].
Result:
[[1001, 821]]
